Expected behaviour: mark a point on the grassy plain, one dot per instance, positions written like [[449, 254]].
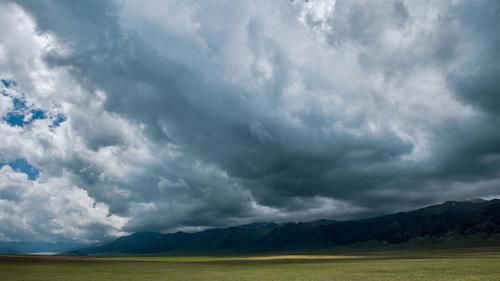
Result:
[[410, 265]]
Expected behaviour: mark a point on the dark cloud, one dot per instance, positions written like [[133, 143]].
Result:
[[477, 81]]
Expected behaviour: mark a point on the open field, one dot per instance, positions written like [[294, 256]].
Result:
[[473, 264]]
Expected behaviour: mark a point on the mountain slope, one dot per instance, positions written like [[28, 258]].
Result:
[[444, 221]]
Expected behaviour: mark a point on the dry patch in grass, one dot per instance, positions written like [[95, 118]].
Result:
[[298, 257]]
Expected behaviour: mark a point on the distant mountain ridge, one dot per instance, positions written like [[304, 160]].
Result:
[[26, 247], [444, 221]]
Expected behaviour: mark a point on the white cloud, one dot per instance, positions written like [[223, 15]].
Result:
[[51, 209]]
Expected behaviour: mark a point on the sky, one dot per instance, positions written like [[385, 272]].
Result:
[[126, 116]]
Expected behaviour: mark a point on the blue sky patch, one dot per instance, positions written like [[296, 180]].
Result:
[[18, 116], [37, 114], [22, 166], [22, 114], [58, 119], [8, 83], [14, 119], [19, 104]]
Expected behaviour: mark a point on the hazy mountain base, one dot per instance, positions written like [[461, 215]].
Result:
[[26, 247]]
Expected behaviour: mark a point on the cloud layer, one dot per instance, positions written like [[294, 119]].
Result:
[[183, 115]]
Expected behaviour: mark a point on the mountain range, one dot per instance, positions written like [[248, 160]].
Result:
[[35, 247], [448, 221]]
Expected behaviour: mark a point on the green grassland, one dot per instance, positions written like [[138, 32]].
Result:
[[410, 265]]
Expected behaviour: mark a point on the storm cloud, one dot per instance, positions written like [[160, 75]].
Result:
[[185, 115]]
